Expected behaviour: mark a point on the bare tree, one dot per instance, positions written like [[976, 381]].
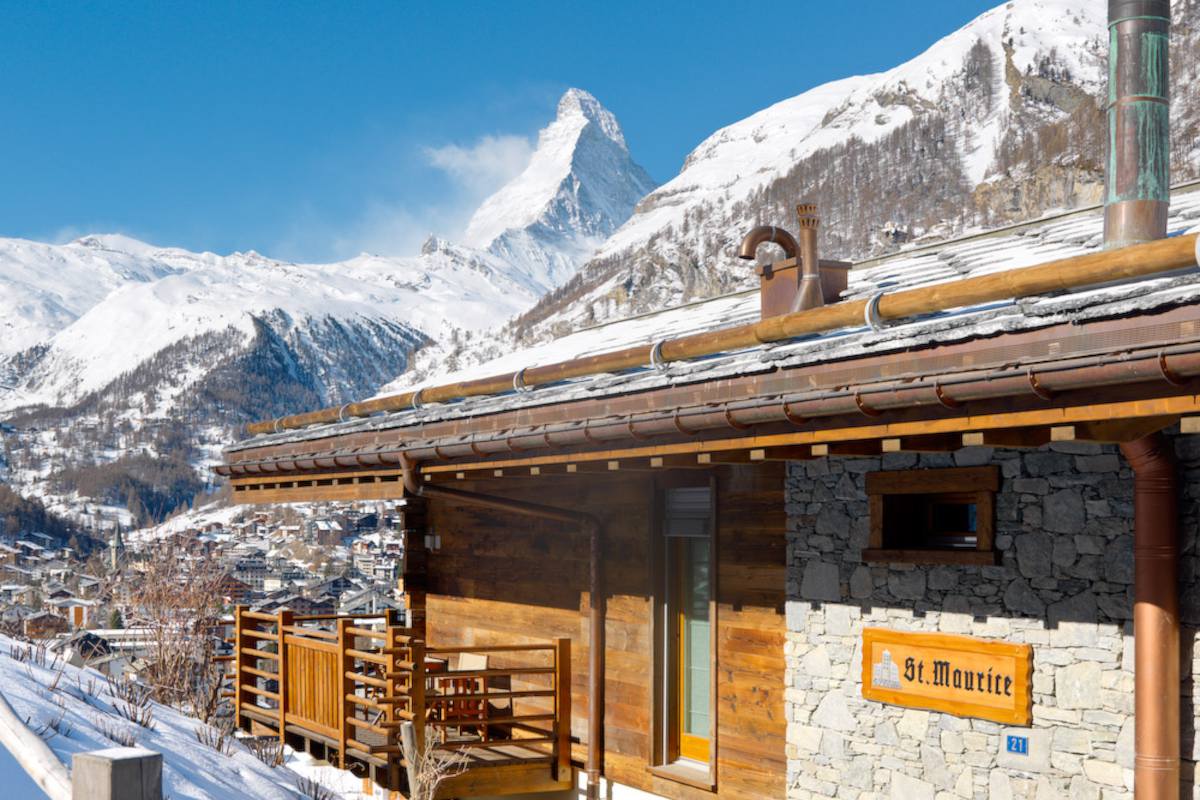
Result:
[[177, 600], [428, 767]]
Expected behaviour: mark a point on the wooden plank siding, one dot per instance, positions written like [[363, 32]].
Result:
[[508, 579]]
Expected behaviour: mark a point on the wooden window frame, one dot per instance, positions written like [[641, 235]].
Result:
[[663, 759], [979, 483]]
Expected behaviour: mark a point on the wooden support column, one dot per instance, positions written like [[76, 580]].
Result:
[[414, 584], [562, 707], [283, 619], [416, 694], [392, 676], [345, 665], [241, 660]]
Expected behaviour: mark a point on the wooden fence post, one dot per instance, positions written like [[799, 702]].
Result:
[[416, 698], [391, 677], [345, 642], [562, 706], [240, 660], [408, 746], [284, 618]]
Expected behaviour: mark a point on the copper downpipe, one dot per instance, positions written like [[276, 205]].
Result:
[[1137, 261], [586, 523], [1155, 618]]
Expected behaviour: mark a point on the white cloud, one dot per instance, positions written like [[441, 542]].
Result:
[[398, 225], [485, 166]]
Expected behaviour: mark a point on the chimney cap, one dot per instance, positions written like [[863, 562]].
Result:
[[1125, 9]]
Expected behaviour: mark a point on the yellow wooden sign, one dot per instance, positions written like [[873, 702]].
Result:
[[956, 674]]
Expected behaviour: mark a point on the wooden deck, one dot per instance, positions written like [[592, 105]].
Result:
[[344, 688]]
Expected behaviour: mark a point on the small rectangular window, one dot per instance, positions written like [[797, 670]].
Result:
[[933, 516]]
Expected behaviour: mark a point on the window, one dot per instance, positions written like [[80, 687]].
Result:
[[940, 516], [685, 629]]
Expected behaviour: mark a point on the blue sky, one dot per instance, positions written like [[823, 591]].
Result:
[[319, 130]]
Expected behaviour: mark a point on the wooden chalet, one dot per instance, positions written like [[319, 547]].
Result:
[[787, 542]]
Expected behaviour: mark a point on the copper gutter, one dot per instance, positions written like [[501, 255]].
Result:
[[1170, 365], [1136, 261], [1155, 618], [596, 601]]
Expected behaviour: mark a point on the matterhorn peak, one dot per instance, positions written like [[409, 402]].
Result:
[[580, 184], [580, 103]]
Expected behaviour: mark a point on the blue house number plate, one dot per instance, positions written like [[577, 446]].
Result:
[[1017, 744]]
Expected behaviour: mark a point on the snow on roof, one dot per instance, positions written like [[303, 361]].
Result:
[[1012, 247]]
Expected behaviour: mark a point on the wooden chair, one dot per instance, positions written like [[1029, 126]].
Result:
[[469, 714]]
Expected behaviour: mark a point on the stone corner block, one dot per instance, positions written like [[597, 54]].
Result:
[[117, 773]]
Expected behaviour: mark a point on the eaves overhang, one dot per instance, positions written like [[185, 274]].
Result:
[[1149, 358]]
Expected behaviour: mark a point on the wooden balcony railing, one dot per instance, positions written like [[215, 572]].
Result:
[[345, 688]]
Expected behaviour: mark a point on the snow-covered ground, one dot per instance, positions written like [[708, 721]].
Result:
[[72, 708]]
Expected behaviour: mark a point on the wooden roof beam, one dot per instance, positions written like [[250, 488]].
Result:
[[870, 447], [724, 457], [1011, 437], [795, 452], [674, 461], [926, 443], [1113, 431]]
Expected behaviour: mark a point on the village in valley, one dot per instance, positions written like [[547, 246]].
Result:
[[322, 558]]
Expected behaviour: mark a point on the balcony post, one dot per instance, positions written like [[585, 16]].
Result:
[[562, 706], [344, 642], [283, 618], [240, 660], [417, 694], [392, 678]]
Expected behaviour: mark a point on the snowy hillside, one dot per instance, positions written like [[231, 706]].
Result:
[[47, 287], [999, 121], [74, 711], [580, 184], [124, 367], [387, 303]]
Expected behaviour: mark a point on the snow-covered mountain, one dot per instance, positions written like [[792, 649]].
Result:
[[578, 187], [110, 346], [383, 304], [1001, 120], [47, 287]]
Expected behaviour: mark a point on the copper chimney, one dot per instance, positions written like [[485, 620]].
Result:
[[809, 294], [801, 280], [1137, 178]]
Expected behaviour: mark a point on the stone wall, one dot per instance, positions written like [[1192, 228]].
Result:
[[1064, 520]]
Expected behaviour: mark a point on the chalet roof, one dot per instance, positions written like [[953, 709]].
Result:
[[1053, 237]]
